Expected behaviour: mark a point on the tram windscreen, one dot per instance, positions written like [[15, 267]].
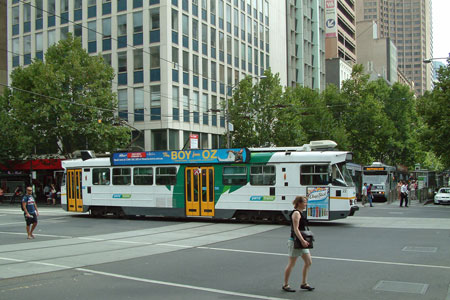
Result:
[[340, 175]]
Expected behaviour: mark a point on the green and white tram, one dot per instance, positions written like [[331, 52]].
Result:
[[246, 184]]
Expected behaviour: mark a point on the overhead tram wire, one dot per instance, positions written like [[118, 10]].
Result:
[[131, 113], [133, 87], [89, 106], [132, 46]]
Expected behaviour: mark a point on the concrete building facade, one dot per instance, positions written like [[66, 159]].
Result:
[[176, 61], [3, 48], [298, 49], [377, 55], [340, 38], [338, 70], [408, 24]]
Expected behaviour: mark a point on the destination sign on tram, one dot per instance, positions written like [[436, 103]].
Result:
[[374, 168], [197, 156]]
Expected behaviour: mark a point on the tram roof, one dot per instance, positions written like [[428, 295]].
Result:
[[308, 157], [255, 157]]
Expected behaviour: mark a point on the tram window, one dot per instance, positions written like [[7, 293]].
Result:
[[143, 176], [262, 175], [166, 176], [121, 176], [234, 175], [101, 176], [314, 175]]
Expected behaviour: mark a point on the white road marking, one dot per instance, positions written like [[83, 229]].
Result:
[[158, 282], [37, 234], [179, 285]]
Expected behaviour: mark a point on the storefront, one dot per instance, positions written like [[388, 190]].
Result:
[[39, 172]]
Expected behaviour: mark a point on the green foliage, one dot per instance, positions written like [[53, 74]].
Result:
[[58, 103], [376, 121], [434, 109]]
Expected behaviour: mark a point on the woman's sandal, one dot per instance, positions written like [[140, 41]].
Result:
[[287, 288], [307, 287]]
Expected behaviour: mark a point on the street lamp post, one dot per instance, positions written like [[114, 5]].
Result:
[[429, 60]]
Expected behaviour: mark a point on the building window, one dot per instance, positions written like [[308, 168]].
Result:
[[122, 96], [137, 28], [121, 31], [26, 17], [138, 104], [155, 71], [92, 37], [51, 38], [175, 103], [155, 26], [155, 102], [39, 46], [185, 25], [77, 12], [38, 14], [106, 31], [27, 50], [186, 117]]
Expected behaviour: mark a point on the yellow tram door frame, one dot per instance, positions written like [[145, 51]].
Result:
[[74, 190], [199, 191]]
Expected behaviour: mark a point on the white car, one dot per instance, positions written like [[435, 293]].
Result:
[[442, 196]]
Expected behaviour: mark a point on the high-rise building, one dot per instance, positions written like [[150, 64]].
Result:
[[176, 61], [3, 48], [340, 38], [408, 24], [297, 36], [377, 55]]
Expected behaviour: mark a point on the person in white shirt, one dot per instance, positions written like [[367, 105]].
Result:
[[404, 194], [364, 194]]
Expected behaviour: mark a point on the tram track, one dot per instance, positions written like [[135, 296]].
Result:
[[131, 245]]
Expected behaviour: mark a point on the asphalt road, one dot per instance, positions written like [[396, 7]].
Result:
[[384, 252]]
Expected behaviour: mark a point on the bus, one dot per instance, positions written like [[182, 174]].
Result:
[[382, 177], [239, 183]]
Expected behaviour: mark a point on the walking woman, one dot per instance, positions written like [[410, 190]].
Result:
[[298, 222]]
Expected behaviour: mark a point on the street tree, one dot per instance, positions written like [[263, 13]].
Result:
[[65, 102], [434, 109], [369, 130], [253, 110]]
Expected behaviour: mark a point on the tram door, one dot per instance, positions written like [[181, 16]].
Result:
[[74, 194], [199, 185]]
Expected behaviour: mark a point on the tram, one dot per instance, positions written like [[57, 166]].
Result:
[[239, 183], [382, 177]]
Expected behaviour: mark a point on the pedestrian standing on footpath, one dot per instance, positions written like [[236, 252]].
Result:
[[399, 190], [413, 190], [364, 194], [404, 194], [30, 211], [298, 223], [369, 194], [53, 193]]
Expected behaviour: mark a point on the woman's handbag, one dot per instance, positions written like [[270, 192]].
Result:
[[307, 236]]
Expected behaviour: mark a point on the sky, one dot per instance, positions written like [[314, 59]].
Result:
[[441, 26]]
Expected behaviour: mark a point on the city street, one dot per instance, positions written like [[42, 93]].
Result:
[[383, 252]]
